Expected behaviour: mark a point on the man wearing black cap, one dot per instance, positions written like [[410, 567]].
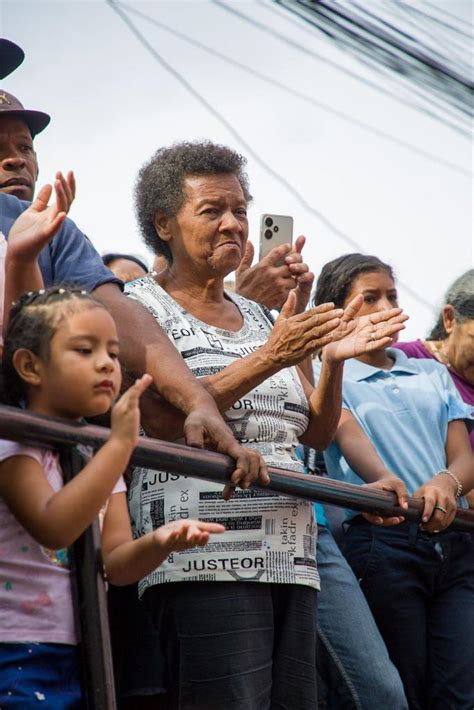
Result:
[[11, 56], [18, 163], [18, 127]]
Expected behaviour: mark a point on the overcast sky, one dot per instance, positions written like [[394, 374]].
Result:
[[112, 105]]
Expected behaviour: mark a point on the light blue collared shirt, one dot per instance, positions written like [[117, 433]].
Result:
[[405, 412]]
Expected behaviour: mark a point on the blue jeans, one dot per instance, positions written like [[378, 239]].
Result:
[[350, 648], [40, 675], [420, 588], [237, 645]]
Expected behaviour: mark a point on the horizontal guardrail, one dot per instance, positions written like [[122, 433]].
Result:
[[21, 425]]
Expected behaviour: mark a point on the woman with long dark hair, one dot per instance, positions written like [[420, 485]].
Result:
[[404, 416]]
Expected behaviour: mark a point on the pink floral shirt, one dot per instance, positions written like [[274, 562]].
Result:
[[35, 582]]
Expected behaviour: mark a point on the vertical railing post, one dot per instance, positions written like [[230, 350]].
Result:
[[91, 604]]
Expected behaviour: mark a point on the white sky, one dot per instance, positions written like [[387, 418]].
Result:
[[112, 106]]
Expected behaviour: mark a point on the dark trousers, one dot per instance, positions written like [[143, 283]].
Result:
[[237, 645], [420, 588]]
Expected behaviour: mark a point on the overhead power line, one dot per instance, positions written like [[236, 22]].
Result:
[[446, 13], [335, 65], [307, 23], [365, 31], [295, 92], [250, 150]]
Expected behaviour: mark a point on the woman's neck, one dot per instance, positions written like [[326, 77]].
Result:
[[203, 297], [379, 358], [438, 349], [190, 288]]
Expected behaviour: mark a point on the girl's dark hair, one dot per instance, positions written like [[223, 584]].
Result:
[[160, 182], [337, 276], [34, 319], [460, 295]]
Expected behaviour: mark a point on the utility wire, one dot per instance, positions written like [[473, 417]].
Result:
[[258, 159], [410, 49], [451, 45], [308, 25], [298, 94], [360, 37], [330, 62], [445, 12]]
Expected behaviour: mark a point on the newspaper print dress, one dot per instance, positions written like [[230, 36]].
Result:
[[268, 538]]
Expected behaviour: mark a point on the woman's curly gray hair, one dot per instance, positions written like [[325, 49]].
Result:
[[460, 295], [160, 182]]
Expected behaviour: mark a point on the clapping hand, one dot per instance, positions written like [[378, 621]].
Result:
[[364, 334], [297, 335]]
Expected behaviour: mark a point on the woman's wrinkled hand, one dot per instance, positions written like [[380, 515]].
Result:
[[364, 334], [440, 504], [297, 335], [271, 279], [251, 468], [394, 485], [206, 428]]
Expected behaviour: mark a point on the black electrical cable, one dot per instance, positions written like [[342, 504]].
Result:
[[304, 23], [294, 92], [335, 65]]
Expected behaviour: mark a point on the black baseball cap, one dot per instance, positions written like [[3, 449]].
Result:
[[11, 56], [35, 120], [109, 258]]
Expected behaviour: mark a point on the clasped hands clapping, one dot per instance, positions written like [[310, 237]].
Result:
[[340, 332]]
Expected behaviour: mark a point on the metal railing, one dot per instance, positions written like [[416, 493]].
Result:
[[65, 436]]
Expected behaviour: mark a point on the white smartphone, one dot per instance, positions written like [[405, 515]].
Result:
[[275, 229]]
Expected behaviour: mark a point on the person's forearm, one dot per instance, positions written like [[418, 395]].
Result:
[[325, 406], [20, 277], [144, 347], [306, 367], [463, 468], [226, 387], [132, 560], [73, 508], [359, 451], [459, 455]]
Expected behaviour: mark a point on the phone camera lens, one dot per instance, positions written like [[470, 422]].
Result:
[[268, 222], [268, 234], [275, 228]]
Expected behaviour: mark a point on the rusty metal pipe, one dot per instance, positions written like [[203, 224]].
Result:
[[24, 426]]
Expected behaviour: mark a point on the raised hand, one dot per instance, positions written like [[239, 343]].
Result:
[[183, 534], [358, 335], [271, 279], [125, 417], [304, 278], [297, 335], [38, 224]]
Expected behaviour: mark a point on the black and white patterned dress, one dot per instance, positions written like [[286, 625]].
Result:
[[268, 538]]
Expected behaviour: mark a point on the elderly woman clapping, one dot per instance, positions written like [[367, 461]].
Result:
[[252, 644]]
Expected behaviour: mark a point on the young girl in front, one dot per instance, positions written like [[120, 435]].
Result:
[[61, 360]]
